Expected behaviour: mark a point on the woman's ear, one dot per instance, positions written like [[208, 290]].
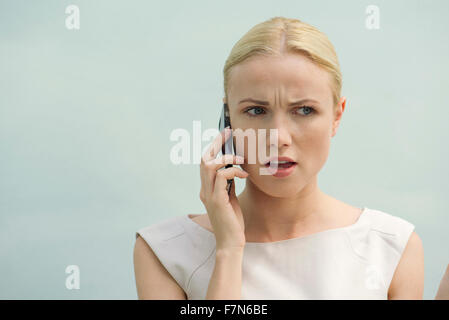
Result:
[[343, 103], [339, 112]]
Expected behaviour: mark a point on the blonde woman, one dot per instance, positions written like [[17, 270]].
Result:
[[282, 237]]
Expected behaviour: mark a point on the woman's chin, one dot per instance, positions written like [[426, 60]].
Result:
[[280, 194], [281, 189]]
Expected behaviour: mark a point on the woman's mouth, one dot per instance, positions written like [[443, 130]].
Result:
[[281, 169]]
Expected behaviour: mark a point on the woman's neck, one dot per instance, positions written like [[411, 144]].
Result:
[[269, 218]]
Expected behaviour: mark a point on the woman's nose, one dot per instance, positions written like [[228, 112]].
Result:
[[284, 137]]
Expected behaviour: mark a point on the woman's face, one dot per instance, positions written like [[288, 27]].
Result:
[[304, 129]]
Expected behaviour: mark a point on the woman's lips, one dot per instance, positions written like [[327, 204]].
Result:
[[279, 159], [282, 170]]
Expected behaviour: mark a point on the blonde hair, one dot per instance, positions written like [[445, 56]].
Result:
[[277, 35]]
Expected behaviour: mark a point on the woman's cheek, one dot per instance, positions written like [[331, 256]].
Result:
[[320, 152], [250, 168], [247, 144]]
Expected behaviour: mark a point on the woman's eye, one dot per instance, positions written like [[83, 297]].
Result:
[[307, 110], [257, 111]]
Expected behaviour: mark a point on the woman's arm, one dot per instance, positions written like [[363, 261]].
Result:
[[408, 279], [153, 281], [226, 279], [443, 289]]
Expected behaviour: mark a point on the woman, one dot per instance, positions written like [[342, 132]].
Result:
[[282, 237]]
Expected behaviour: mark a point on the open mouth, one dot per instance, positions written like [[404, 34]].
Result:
[[282, 164]]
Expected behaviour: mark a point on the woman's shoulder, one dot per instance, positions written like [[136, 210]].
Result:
[[202, 219], [389, 223], [191, 225], [162, 230], [381, 232], [178, 245]]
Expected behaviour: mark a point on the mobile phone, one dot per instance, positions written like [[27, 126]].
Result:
[[227, 147]]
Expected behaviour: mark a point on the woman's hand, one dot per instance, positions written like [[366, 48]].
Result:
[[223, 210], [443, 290]]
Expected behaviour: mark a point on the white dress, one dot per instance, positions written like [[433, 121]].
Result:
[[352, 262]]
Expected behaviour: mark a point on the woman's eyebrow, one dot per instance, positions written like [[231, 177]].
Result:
[[265, 103]]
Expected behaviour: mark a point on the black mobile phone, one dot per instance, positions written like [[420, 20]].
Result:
[[228, 147]]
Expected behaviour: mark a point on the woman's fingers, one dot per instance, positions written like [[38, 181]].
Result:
[[215, 147], [208, 171], [224, 160], [222, 177], [210, 163]]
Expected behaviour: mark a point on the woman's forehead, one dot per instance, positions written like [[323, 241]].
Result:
[[291, 75]]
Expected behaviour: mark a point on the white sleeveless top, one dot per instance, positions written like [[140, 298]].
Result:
[[353, 262]]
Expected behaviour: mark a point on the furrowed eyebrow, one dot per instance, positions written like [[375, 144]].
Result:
[[266, 103]]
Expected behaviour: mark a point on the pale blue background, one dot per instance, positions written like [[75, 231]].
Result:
[[86, 117]]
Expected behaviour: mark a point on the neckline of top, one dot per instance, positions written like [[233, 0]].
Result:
[[313, 235]]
